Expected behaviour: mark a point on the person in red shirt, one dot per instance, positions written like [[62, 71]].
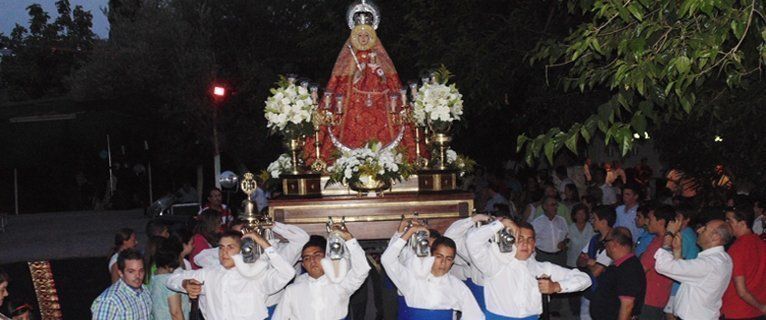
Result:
[[745, 298], [215, 202], [657, 285]]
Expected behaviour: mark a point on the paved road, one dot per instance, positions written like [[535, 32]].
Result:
[[59, 235]]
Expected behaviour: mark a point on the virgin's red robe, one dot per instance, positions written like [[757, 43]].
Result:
[[361, 123]]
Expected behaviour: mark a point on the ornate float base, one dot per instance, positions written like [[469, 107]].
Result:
[[437, 180], [372, 218], [301, 185]]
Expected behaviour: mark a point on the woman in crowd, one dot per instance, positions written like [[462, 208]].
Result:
[[204, 233], [186, 239], [125, 238], [580, 233], [168, 304]]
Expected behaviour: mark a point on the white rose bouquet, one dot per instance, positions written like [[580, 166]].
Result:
[[437, 104], [289, 110], [369, 162], [282, 164]]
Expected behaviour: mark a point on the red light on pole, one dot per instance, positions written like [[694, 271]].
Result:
[[219, 91]]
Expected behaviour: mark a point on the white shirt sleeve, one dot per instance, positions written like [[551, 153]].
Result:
[[296, 238], [359, 267], [603, 259], [207, 258], [457, 231], [396, 271], [478, 247], [279, 275], [570, 280], [176, 279], [468, 305], [681, 270]]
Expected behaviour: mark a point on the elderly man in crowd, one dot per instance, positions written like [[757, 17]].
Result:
[[703, 279], [745, 298], [515, 281], [551, 233], [621, 287]]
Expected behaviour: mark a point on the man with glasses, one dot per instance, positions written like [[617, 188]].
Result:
[[622, 286], [515, 281], [317, 294]]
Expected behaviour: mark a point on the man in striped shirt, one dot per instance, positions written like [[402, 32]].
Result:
[[127, 298]]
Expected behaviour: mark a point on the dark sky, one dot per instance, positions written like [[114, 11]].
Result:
[[14, 11]]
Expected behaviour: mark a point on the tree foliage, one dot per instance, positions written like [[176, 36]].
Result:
[[45, 53], [662, 62]]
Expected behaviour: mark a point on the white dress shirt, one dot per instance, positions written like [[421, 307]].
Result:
[[290, 252], [703, 281], [550, 232], [321, 299], [511, 286], [239, 292], [429, 292], [463, 268]]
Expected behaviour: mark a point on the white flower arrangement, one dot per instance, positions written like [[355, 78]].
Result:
[[459, 162], [368, 162], [289, 110], [282, 164], [437, 105]]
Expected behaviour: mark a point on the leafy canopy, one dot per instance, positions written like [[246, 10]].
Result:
[[662, 60]]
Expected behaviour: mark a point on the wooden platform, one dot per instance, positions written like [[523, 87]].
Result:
[[372, 218]]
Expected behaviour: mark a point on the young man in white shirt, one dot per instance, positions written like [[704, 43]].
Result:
[[437, 294], [317, 295], [703, 279], [512, 289], [290, 252], [464, 268], [238, 290]]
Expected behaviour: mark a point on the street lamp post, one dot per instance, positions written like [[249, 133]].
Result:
[[219, 94]]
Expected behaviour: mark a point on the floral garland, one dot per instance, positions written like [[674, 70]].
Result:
[[289, 110], [370, 161]]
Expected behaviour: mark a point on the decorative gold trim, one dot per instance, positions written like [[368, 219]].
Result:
[[45, 290], [368, 205], [373, 218]]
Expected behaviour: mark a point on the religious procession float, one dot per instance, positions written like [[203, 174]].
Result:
[[366, 150]]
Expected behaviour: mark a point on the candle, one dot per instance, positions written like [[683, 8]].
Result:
[[339, 104], [327, 99], [392, 106], [314, 93], [403, 94], [413, 89], [291, 78]]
